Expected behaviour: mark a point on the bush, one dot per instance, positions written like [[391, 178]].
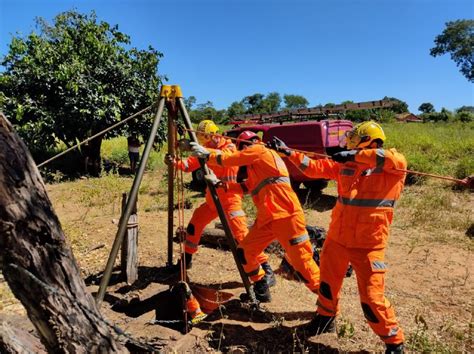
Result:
[[433, 147]]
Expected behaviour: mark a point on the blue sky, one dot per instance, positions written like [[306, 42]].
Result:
[[327, 51]]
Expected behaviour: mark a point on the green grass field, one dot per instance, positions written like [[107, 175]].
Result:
[[440, 148]]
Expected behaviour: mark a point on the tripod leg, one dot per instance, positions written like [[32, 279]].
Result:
[[220, 210], [129, 206]]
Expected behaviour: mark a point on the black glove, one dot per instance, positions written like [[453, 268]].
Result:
[[279, 146], [344, 156]]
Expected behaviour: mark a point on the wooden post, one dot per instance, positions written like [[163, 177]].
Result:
[[36, 259], [129, 254]]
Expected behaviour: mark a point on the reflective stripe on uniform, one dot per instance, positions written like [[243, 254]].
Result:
[[347, 172], [271, 180], [186, 165], [379, 265], [236, 213], [191, 245], [393, 332], [380, 157], [229, 179], [325, 308], [299, 239], [367, 202], [379, 161], [305, 163]]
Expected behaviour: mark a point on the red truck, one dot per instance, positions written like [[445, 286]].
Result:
[[316, 136], [307, 129]]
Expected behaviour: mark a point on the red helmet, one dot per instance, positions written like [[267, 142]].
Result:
[[245, 137]]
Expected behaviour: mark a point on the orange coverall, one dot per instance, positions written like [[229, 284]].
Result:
[[358, 232], [279, 213], [206, 212]]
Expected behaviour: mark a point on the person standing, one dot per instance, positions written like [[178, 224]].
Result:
[[279, 212], [133, 152], [368, 185], [231, 200]]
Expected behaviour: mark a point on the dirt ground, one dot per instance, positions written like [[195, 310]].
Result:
[[429, 283]]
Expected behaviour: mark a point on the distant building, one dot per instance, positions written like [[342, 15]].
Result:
[[408, 117]]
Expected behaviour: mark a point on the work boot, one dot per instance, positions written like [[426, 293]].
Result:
[[262, 291], [269, 276], [320, 324], [394, 348]]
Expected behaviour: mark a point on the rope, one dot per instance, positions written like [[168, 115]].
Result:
[[448, 178], [179, 178], [95, 136]]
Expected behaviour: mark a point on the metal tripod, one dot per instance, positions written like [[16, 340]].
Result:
[[173, 98]]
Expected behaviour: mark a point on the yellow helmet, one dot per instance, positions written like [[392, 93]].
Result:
[[363, 134], [205, 129]]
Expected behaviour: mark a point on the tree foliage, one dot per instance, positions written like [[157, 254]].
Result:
[[458, 40], [295, 101], [72, 79], [426, 108], [399, 107]]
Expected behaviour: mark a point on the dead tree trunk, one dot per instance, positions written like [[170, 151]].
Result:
[[37, 262]]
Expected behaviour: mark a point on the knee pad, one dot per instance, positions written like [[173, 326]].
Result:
[[190, 229], [369, 314], [241, 256], [325, 290]]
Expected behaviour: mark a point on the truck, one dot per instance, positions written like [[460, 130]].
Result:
[[317, 129]]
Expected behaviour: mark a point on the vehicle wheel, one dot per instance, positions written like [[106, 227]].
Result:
[[198, 183], [316, 185]]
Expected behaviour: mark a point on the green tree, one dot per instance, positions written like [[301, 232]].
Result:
[[465, 116], [271, 103], [295, 101], [458, 40], [426, 108], [466, 109], [236, 109], [74, 78], [189, 102], [399, 107], [204, 111], [253, 103]]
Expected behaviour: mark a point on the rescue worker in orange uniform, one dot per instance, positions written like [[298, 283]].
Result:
[[231, 200], [368, 186], [279, 213]]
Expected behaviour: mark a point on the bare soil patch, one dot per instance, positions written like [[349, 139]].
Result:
[[429, 281]]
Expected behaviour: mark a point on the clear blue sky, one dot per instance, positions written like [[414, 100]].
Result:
[[327, 51]]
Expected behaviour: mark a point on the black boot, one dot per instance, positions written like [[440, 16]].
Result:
[[262, 291], [394, 348], [269, 276], [320, 324]]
